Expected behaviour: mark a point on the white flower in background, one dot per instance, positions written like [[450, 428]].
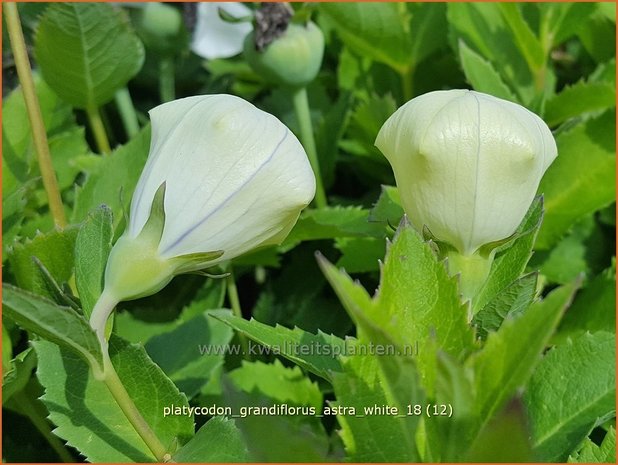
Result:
[[216, 38], [467, 166], [222, 178]]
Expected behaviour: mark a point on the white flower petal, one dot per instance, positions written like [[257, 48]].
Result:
[[235, 176], [215, 38], [467, 164]]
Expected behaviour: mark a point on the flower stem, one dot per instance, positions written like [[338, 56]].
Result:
[[232, 294], [127, 111], [167, 80], [128, 407], [98, 129], [37, 414], [39, 135], [407, 88], [301, 107], [98, 319]]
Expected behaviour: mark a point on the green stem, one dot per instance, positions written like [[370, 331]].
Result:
[[407, 86], [98, 319], [127, 111], [232, 294], [128, 407], [167, 80], [39, 134], [37, 417], [303, 115], [98, 129]]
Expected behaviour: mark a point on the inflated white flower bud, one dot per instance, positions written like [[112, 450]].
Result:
[[222, 178], [467, 166]]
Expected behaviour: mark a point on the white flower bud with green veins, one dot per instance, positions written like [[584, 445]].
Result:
[[467, 166], [222, 178]]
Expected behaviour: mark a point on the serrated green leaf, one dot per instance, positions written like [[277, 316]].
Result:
[[376, 30], [564, 19], [482, 75], [594, 309], [92, 247], [86, 414], [416, 302], [572, 390], [114, 179], [509, 356], [359, 386], [511, 302], [18, 373], [54, 250], [511, 258], [218, 441], [589, 148], [591, 453], [199, 350], [428, 28], [317, 353], [61, 325], [279, 383], [84, 70], [580, 99], [365, 123], [597, 31]]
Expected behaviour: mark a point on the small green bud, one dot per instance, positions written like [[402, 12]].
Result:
[[161, 28], [293, 59]]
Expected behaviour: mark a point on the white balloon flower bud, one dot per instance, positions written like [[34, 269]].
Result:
[[467, 167], [221, 179]]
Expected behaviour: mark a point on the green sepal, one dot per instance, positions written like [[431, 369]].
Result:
[[194, 261], [153, 229]]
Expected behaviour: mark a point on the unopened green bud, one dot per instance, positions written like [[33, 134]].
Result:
[[293, 59], [161, 28]]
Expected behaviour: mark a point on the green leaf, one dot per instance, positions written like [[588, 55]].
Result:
[[428, 27], [593, 310], [511, 302], [92, 247], [482, 27], [504, 439], [591, 453], [360, 254], [511, 258], [18, 373], [218, 441], [61, 325], [565, 19], [387, 209], [482, 75], [113, 180], [366, 434], [581, 180], [329, 133], [83, 69], [572, 390], [379, 31], [199, 350], [332, 222], [416, 302], [527, 43], [509, 356], [305, 438], [88, 417], [597, 33], [317, 353], [54, 250], [279, 383], [365, 123], [580, 99]]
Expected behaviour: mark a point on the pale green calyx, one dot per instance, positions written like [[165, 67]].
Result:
[[222, 178], [467, 166]]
